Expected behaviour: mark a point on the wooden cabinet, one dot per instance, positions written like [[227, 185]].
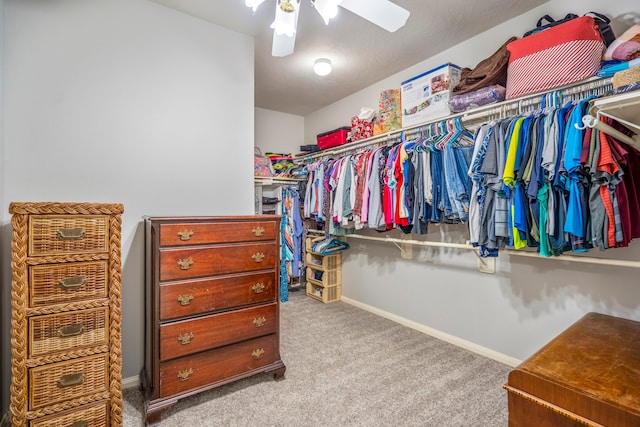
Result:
[[212, 308], [587, 375], [66, 357]]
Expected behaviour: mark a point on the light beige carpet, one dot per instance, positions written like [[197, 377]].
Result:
[[348, 367]]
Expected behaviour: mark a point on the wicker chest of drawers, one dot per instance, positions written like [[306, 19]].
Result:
[[66, 357], [212, 311]]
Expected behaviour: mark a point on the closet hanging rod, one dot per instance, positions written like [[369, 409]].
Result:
[[466, 246], [580, 259], [519, 105], [277, 181], [592, 122], [413, 242]]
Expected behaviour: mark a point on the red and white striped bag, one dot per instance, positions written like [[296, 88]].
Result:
[[556, 56]]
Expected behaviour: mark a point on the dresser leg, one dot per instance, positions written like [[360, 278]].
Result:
[[278, 374], [154, 412]]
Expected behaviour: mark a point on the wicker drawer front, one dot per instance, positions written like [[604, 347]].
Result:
[[95, 415], [64, 283], [202, 296], [190, 336], [65, 331], [68, 234], [216, 232], [190, 263], [57, 382], [190, 372]]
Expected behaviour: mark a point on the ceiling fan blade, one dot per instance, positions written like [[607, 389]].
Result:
[[282, 44], [383, 13], [284, 27]]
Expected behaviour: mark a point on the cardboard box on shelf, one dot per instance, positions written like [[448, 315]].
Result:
[[426, 96], [389, 112]]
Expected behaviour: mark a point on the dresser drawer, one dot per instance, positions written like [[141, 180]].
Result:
[[69, 330], [68, 234], [57, 382], [203, 333], [64, 283], [176, 264], [199, 233], [94, 415], [202, 296], [180, 375]]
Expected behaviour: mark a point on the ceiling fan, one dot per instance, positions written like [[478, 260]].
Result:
[[383, 13]]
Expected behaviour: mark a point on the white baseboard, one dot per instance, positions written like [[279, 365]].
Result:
[[467, 345], [131, 382]]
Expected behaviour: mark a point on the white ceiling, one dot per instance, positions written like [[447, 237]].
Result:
[[362, 53]]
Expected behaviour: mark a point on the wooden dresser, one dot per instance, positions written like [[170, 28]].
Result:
[[588, 375], [66, 354], [212, 312]]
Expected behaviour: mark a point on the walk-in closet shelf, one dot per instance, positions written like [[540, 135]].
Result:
[[597, 86]]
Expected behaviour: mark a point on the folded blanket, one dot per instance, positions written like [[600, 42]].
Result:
[[625, 47]]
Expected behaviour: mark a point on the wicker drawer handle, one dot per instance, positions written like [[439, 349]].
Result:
[[70, 330], [185, 263], [79, 424], [184, 375], [70, 380], [185, 234], [185, 338], [71, 234], [257, 353], [258, 231], [185, 299], [258, 256], [258, 288], [259, 321], [73, 282]]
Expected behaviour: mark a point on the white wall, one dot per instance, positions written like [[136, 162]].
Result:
[[5, 315], [278, 132], [528, 301], [126, 101]]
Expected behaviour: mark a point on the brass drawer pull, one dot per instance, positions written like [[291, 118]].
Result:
[[70, 330], [257, 353], [71, 234], [258, 256], [185, 299], [258, 231], [79, 424], [259, 321], [185, 338], [184, 375], [185, 263], [185, 234], [258, 288], [73, 282], [70, 380]]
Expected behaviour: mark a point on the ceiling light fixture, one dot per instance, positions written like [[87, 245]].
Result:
[[285, 20], [322, 67], [383, 13]]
